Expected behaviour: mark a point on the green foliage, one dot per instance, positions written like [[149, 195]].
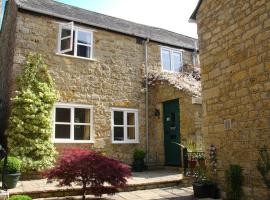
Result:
[[13, 165], [30, 128], [138, 154], [234, 179], [263, 165], [191, 146], [20, 197]]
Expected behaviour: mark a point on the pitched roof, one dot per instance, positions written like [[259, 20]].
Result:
[[194, 14], [71, 13]]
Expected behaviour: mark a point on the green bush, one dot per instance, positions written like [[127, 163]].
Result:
[[29, 133], [13, 165], [234, 180], [20, 197], [139, 154]]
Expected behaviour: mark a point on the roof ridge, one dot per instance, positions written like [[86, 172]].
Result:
[[76, 7], [92, 18]]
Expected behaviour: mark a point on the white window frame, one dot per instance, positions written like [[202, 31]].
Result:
[[72, 123], [75, 41], [125, 112], [171, 51]]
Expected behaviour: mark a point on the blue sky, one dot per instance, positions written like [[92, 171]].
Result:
[[1, 11], [168, 14]]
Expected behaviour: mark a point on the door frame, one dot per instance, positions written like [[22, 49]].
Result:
[[179, 131]]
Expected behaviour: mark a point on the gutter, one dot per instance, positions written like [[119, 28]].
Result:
[[146, 98]]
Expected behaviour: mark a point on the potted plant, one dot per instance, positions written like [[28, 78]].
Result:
[[201, 160], [202, 187], [12, 171], [138, 160]]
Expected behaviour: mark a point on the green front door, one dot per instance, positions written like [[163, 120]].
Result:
[[171, 120]]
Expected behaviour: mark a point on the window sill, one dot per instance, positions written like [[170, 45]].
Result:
[[124, 142], [76, 57], [170, 72], [73, 142]]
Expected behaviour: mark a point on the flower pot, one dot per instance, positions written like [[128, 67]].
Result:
[[204, 189], [192, 164], [11, 180], [138, 165], [201, 163]]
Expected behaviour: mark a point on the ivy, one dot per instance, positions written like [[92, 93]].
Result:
[[30, 123]]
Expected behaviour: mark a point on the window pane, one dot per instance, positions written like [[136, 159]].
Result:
[[118, 133], [82, 115], [65, 32], [62, 131], [177, 63], [118, 118], [131, 133], [131, 118], [83, 51], [62, 115], [84, 37], [82, 132], [166, 61], [65, 44]]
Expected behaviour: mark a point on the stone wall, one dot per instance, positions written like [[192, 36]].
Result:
[[154, 57], [234, 51], [114, 78], [190, 119], [7, 44]]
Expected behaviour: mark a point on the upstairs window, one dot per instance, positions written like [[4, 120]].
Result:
[[172, 60], [75, 41], [125, 127]]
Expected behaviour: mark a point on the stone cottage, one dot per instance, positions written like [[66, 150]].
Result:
[[235, 67], [103, 68]]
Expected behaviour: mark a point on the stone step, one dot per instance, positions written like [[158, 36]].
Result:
[[31, 189]]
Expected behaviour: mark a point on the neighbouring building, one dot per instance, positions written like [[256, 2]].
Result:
[[117, 80], [234, 46]]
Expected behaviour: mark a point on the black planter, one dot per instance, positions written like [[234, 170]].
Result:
[[11, 180], [138, 165], [205, 189]]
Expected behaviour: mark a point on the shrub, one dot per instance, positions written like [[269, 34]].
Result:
[[20, 197], [13, 165], [138, 154], [234, 179], [263, 166], [90, 169], [29, 133]]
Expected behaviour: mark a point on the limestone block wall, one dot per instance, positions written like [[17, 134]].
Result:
[[154, 57], [113, 79], [190, 119], [235, 64]]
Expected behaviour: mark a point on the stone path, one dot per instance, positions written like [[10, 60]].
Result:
[[139, 181], [172, 193]]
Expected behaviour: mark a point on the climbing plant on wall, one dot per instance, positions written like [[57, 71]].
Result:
[[30, 128]]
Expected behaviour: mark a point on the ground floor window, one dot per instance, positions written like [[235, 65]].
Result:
[[72, 123], [125, 126]]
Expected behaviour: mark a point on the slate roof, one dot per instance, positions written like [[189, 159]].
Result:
[[71, 13]]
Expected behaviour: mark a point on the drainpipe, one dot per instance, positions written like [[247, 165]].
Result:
[[146, 98]]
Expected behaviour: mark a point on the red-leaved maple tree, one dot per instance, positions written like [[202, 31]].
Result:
[[96, 173]]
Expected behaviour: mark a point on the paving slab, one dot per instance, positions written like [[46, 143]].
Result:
[[140, 181]]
